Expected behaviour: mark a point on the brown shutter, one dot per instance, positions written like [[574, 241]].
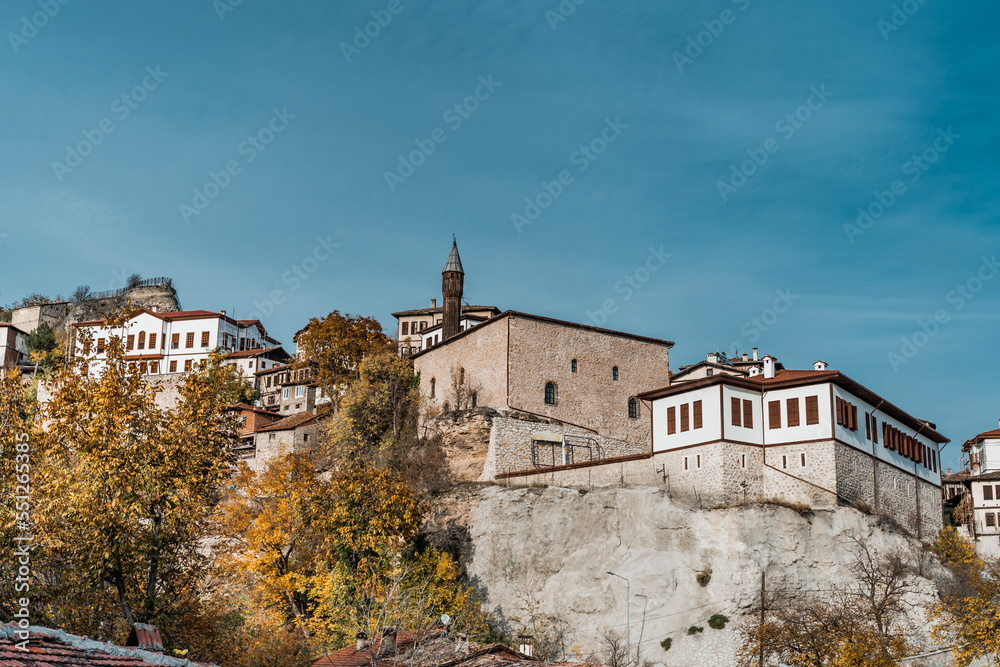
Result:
[[774, 414], [747, 413], [696, 408], [987, 492], [671, 420], [868, 426], [812, 410], [736, 411], [840, 411], [684, 417], [792, 407]]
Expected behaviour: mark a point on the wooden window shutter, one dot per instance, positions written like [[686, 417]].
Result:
[[868, 426], [189, 339], [840, 411], [792, 407], [747, 413], [696, 413], [987, 492], [736, 412], [685, 417], [812, 410], [671, 420], [774, 414], [204, 339], [854, 417]]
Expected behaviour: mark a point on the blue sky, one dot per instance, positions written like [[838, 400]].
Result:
[[833, 100]]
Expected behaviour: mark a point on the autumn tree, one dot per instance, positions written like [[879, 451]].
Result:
[[337, 344], [126, 488]]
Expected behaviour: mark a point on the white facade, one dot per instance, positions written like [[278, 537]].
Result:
[[813, 402], [983, 452], [174, 342]]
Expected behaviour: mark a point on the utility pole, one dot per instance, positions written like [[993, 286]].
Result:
[[760, 638], [628, 615]]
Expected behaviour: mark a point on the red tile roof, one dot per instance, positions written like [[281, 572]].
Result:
[[350, 656], [254, 353], [55, 648], [786, 376], [290, 422]]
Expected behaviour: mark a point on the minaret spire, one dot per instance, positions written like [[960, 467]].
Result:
[[452, 288]]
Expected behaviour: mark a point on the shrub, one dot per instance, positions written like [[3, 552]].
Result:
[[694, 629], [666, 643], [704, 577], [863, 507], [718, 621], [801, 508]]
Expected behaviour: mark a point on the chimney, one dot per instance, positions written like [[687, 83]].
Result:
[[155, 309], [755, 354], [768, 367], [388, 644], [819, 366], [434, 303], [713, 357], [222, 312], [145, 637], [947, 471], [363, 642], [745, 356]]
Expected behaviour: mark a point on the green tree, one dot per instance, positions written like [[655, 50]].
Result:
[[337, 344]]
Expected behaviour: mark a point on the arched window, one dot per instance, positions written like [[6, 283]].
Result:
[[633, 409], [433, 382], [614, 374], [550, 393], [572, 365], [475, 400]]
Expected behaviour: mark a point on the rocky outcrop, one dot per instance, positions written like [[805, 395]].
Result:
[[554, 546], [161, 297]]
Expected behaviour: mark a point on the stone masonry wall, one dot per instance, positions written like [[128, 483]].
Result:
[[543, 351], [813, 484], [855, 475], [510, 443], [483, 355]]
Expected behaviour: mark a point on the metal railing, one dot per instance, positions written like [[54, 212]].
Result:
[[110, 294], [572, 449]]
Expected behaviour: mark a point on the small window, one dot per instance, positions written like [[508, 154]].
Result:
[[175, 341], [685, 424], [550, 393], [633, 409], [204, 339], [614, 374], [461, 376], [131, 343], [300, 391], [998, 491], [189, 340], [572, 366], [433, 383], [743, 460], [710, 371], [173, 366], [142, 341], [284, 392], [802, 459], [270, 437], [784, 462], [671, 420], [152, 341], [100, 345], [475, 400], [697, 461], [685, 463], [406, 328], [987, 492], [305, 437], [187, 365], [154, 367], [991, 520]]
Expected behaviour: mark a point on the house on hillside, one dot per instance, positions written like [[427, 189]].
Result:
[[172, 342], [811, 436], [290, 389], [13, 350], [295, 433]]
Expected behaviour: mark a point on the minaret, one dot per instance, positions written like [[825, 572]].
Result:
[[452, 285]]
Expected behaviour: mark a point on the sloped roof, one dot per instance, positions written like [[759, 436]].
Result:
[[440, 309], [259, 352], [55, 648], [291, 422], [985, 435]]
